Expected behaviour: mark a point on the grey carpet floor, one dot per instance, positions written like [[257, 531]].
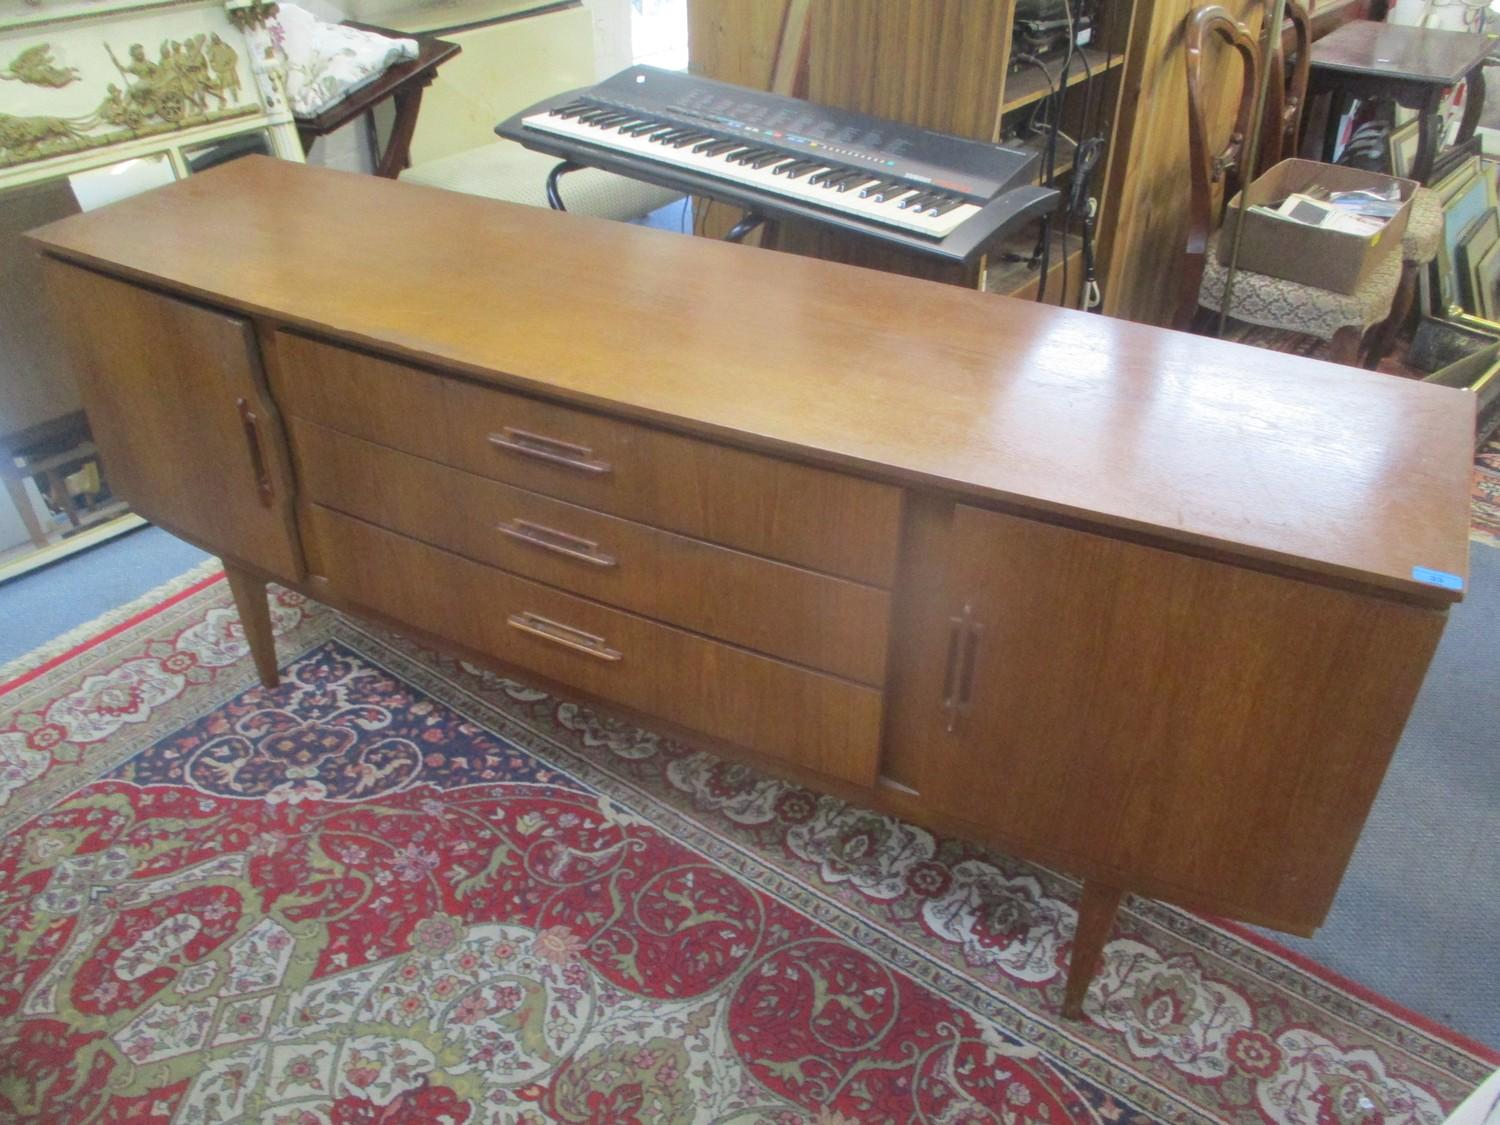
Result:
[[1418, 916]]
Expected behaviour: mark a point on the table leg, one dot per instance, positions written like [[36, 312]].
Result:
[[1338, 104], [18, 497], [1473, 103], [397, 158], [1096, 917], [1430, 137], [255, 618]]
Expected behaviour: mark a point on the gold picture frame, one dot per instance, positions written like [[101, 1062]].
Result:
[[1486, 282], [1477, 241], [1404, 142], [1466, 194]]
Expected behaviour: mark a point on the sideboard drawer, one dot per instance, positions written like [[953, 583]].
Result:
[[806, 718], [800, 615], [824, 520]]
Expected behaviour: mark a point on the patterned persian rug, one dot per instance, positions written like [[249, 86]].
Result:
[[401, 889], [1485, 525]]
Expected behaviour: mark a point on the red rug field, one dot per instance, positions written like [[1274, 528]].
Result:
[[402, 889]]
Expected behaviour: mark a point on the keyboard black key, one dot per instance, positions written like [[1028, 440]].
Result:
[[589, 115], [890, 194], [667, 135], [646, 126], [572, 109], [878, 186], [720, 147], [807, 166], [610, 121], [745, 156], [952, 202], [794, 168], [857, 180], [916, 202], [771, 157], [835, 177], [706, 144], [691, 138]]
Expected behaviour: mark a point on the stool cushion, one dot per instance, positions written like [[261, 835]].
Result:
[[505, 170], [1424, 227], [1275, 303]]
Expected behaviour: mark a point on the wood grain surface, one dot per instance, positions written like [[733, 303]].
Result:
[[782, 610], [1426, 54], [1198, 725], [177, 407], [829, 521], [1257, 455], [819, 722]]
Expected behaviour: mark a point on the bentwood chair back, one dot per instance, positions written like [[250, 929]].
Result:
[[1286, 92], [1214, 175]]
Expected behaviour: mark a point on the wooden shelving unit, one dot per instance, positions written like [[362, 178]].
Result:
[[946, 65], [1028, 84]]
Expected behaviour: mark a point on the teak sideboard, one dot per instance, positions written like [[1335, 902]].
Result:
[[1143, 606]]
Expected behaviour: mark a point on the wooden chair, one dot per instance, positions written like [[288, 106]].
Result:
[[1287, 91], [1340, 318]]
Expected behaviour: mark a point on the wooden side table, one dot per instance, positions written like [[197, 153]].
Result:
[[403, 83], [1413, 66]]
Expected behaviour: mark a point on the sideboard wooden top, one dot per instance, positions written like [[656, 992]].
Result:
[[1238, 451]]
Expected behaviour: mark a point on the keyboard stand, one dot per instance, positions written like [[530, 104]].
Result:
[[554, 198], [748, 221]]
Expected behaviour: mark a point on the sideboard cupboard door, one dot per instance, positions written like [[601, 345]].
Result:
[[1217, 732], [174, 398]]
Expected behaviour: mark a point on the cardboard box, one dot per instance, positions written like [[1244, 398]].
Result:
[[1325, 258]]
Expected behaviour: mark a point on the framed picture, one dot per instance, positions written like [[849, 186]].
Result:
[[1488, 269], [1476, 242], [1403, 141], [1467, 195]]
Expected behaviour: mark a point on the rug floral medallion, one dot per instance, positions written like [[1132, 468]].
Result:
[[401, 889]]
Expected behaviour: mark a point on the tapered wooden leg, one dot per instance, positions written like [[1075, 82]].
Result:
[[1096, 917], [255, 617], [1389, 329], [1344, 347]]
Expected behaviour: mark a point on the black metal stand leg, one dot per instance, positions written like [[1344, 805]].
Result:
[[747, 224], [554, 199]]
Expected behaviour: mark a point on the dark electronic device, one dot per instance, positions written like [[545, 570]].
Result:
[[773, 156]]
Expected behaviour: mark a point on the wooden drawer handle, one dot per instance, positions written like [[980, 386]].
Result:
[[565, 635], [560, 542], [251, 425], [558, 452], [958, 675]]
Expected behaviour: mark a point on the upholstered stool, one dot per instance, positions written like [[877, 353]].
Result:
[[1273, 302], [1424, 227], [505, 170], [1419, 246]]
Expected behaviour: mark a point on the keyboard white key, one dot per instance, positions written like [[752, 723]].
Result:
[[887, 211]]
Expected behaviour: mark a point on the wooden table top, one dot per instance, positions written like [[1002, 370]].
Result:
[[1236, 451], [1412, 54]]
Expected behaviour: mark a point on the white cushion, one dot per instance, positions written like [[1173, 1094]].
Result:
[[505, 170]]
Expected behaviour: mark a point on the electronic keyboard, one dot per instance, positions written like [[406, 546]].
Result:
[[781, 157]]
